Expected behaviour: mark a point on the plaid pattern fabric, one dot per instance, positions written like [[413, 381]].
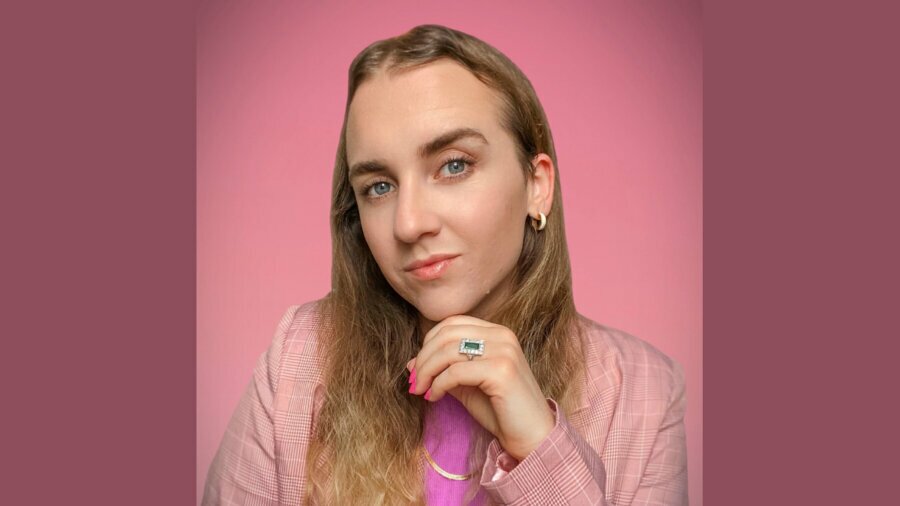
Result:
[[623, 445]]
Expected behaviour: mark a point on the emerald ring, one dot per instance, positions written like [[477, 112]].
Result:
[[471, 347]]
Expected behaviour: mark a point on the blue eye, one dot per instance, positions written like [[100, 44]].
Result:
[[457, 166], [381, 187], [376, 190]]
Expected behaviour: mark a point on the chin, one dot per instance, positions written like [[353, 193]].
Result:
[[436, 310]]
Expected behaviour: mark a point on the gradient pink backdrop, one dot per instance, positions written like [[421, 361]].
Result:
[[622, 87]]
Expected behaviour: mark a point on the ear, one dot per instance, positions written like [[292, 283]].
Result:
[[540, 185]]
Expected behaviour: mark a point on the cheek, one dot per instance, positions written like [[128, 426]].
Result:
[[377, 236], [493, 221]]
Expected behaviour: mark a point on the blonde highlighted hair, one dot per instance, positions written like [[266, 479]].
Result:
[[366, 447]]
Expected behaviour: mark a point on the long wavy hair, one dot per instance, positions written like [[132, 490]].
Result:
[[367, 441]]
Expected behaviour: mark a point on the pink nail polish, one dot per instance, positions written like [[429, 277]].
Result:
[[412, 381], [428, 395]]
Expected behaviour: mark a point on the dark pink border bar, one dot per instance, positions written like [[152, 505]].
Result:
[[98, 193], [800, 253], [800, 270]]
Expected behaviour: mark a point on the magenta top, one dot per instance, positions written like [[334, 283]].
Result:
[[448, 427]]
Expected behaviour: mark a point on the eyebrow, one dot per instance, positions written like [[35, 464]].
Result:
[[425, 150]]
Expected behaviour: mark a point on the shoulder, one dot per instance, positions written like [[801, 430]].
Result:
[[301, 324], [618, 360], [295, 354]]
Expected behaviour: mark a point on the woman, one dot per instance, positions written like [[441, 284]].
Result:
[[448, 364]]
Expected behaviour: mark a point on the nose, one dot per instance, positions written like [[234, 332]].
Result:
[[414, 217]]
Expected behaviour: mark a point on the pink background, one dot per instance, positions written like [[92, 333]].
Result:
[[621, 85]]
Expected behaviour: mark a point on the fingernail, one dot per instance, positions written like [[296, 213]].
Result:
[[428, 395], [412, 381]]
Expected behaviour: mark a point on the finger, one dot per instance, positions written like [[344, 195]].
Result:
[[466, 373], [455, 320], [454, 333], [443, 351]]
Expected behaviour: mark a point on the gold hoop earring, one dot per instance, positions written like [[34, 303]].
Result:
[[542, 221]]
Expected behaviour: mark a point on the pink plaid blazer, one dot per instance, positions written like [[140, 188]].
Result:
[[624, 445]]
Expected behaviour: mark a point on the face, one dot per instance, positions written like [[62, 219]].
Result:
[[436, 176]]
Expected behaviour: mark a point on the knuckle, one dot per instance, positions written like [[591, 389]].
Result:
[[504, 368], [437, 384], [448, 334], [507, 352], [450, 345], [450, 373], [448, 322]]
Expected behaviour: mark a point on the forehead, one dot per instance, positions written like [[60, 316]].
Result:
[[409, 108]]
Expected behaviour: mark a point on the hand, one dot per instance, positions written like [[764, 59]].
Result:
[[498, 388]]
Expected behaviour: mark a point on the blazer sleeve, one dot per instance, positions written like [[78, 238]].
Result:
[[243, 470], [563, 469]]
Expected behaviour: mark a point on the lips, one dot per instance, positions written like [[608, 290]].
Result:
[[430, 260], [432, 267]]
